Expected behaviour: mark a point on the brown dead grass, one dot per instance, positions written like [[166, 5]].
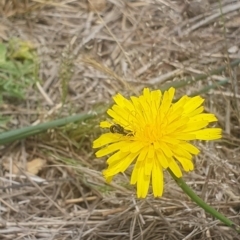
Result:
[[106, 47]]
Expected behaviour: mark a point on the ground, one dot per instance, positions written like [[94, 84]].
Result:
[[51, 183]]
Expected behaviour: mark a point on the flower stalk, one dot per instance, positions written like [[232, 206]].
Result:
[[182, 184]]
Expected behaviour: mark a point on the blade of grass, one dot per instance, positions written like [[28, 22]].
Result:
[[190, 80], [21, 133], [209, 87]]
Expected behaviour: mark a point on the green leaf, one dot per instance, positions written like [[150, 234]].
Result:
[[3, 51]]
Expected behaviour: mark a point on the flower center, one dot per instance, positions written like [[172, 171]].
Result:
[[151, 133]]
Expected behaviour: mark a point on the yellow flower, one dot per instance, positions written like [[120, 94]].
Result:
[[154, 133]]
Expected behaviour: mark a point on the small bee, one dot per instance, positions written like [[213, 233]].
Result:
[[116, 128]]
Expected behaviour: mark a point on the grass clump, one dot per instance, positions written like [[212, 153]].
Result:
[[17, 67]]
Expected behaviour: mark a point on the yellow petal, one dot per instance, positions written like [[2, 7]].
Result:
[[105, 139], [146, 93], [176, 126], [193, 104], [186, 163], [160, 156], [142, 182], [116, 157], [180, 104], [150, 152], [209, 134], [184, 136], [135, 172], [148, 166], [203, 117], [136, 146], [118, 117], [155, 97], [179, 151], [157, 179], [189, 127], [166, 150], [142, 155], [167, 139], [195, 112], [189, 147], [108, 179], [105, 124], [175, 168], [167, 100], [121, 165], [120, 100], [109, 149]]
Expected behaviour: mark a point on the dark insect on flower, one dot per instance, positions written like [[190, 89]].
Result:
[[116, 128]]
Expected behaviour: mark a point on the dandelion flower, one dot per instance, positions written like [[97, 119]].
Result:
[[153, 133]]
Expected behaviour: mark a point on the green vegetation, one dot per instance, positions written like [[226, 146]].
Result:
[[17, 68]]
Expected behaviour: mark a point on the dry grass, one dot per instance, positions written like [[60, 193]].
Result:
[[88, 52]]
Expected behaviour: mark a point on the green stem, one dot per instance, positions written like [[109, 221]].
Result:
[[17, 134], [202, 204]]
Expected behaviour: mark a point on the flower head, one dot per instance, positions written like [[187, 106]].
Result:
[[154, 133]]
